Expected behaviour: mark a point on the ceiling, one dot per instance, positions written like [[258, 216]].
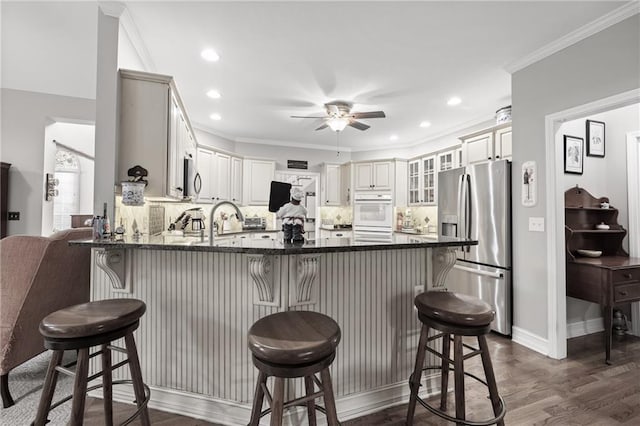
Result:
[[279, 59]]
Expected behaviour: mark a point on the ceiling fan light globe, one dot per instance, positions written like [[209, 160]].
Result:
[[337, 124]]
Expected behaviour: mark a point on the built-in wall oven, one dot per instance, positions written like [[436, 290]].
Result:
[[373, 217]]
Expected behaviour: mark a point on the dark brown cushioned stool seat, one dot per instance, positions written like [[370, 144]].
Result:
[[294, 337], [454, 315], [288, 345], [454, 308], [79, 328]]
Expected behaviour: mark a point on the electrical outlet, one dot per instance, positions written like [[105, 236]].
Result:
[[13, 216], [536, 224]]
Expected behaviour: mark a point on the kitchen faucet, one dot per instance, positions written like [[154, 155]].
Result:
[[213, 226]]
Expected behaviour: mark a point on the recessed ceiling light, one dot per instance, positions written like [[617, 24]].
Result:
[[214, 94], [425, 124], [210, 55], [215, 117], [454, 101], [393, 137]]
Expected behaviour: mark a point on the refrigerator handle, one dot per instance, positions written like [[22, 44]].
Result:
[[468, 214], [459, 211]]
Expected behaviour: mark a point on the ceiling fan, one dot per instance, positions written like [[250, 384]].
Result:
[[339, 116]]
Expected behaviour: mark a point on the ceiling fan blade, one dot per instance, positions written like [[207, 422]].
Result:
[[371, 114], [358, 125], [304, 116], [324, 126]]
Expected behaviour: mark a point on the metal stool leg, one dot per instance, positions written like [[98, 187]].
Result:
[[48, 388], [414, 380], [311, 405], [258, 399], [490, 376], [277, 403], [107, 391], [458, 366], [80, 387], [329, 399], [136, 377], [444, 379]]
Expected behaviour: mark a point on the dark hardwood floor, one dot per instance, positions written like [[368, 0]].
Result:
[[579, 390]]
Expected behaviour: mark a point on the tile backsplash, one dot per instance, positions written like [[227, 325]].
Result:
[[145, 217], [424, 218]]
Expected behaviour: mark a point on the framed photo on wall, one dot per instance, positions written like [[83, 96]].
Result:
[[595, 138], [573, 154]]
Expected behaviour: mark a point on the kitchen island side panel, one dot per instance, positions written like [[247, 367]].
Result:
[[200, 306]]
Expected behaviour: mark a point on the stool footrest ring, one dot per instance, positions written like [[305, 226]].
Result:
[[147, 397], [444, 415]]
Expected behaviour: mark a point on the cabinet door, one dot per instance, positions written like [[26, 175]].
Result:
[[222, 187], [174, 184], [428, 180], [205, 160], [479, 148], [503, 144], [382, 175], [258, 175], [363, 176], [446, 160], [331, 185], [414, 182], [236, 180], [345, 184]]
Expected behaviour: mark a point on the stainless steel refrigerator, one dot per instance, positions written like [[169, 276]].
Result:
[[475, 202]]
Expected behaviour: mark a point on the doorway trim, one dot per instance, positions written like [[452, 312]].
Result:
[[556, 282], [633, 181]]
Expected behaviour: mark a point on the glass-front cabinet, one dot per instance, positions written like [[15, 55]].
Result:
[[422, 181]]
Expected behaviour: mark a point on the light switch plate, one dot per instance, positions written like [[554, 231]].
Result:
[[536, 224]]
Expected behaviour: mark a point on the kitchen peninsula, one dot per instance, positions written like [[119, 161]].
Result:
[[202, 298]]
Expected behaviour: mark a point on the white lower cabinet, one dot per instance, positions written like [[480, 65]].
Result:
[[335, 233], [256, 182]]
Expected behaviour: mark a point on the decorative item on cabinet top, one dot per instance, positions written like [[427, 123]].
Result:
[[133, 189]]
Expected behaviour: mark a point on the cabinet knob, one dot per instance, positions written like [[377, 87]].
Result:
[[489, 158], [622, 293], [497, 156], [628, 276]]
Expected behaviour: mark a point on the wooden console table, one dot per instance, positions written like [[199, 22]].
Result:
[[611, 279]]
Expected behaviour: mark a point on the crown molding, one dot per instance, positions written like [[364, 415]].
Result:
[[293, 144], [112, 8], [451, 131], [605, 21], [129, 26], [204, 128]]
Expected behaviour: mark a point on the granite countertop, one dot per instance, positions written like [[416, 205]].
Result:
[[268, 246]]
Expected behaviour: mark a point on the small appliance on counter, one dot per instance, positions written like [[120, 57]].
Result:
[[254, 223], [189, 221]]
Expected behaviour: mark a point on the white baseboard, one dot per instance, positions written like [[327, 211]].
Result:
[[582, 328], [530, 340], [234, 413]]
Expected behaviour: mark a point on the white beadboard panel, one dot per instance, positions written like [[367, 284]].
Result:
[[193, 337]]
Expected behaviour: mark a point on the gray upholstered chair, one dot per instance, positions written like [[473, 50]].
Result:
[[39, 275]]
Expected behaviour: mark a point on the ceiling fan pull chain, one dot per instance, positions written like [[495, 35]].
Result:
[[337, 144]]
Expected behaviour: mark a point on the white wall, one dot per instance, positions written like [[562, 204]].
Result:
[[128, 57], [24, 118], [603, 177], [602, 65]]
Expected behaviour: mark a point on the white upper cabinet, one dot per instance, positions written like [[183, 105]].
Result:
[[487, 145], [374, 176], [422, 181], [153, 132], [331, 185], [257, 177], [221, 175]]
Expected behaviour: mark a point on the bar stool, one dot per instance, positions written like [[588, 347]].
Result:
[[79, 328], [288, 345], [454, 315]]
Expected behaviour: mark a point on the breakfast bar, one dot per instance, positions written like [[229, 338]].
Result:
[[203, 297]]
